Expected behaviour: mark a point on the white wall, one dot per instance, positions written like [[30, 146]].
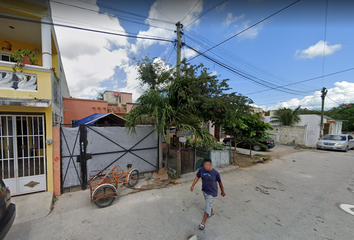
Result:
[[312, 122]]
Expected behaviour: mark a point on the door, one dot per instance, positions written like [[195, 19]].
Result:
[[22, 153]]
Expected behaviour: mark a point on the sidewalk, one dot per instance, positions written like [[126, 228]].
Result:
[[32, 206]]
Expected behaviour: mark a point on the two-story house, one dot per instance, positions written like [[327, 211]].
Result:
[[31, 98]]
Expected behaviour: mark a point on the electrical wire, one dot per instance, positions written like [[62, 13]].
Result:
[[82, 29], [202, 14], [109, 7], [190, 10], [307, 80], [244, 75], [112, 15], [244, 30], [152, 5]]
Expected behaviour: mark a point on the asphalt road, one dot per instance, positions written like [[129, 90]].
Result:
[[295, 197]]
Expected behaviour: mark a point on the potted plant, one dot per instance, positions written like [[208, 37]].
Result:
[[23, 57]]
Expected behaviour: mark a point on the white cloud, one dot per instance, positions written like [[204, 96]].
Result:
[[250, 33], [86, 56], [231, 19], [175, 11], [319, 49], [342, 92]]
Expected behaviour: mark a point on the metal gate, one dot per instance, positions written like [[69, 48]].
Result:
[[22, 153], [88, 148]]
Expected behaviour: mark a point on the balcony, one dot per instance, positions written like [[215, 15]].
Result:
[[19, 81]]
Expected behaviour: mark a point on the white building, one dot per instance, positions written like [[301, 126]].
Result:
[[307, 131]]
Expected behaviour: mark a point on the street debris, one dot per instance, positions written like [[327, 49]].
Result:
[[260, 160], [262, 191]]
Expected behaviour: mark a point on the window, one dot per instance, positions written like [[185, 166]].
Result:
[[5, 57]]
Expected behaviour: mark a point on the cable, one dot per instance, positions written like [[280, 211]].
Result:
[[333, 100], [112, 15], [80, 28], [174, 47], [242, 74], [307, 80], [202, 14], [152, 5], [123, 11], [244, 30], [190, 10]]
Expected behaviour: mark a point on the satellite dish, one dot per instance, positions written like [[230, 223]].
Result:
[[117, 94]]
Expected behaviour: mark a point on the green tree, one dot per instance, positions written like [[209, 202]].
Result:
[[246, 128], [154, 72], [99, 96], [286, 116], [343, 112]]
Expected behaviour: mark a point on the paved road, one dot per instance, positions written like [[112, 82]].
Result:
[[294, 197]]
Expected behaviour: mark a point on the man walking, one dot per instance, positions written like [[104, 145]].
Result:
[[209, 187]]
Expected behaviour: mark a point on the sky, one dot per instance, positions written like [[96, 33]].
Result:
[[308, 40]]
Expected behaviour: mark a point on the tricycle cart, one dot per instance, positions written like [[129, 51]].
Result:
[[104, 183]]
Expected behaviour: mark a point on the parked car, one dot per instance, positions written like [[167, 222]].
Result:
[[267, 142], [7, 210], [340, 142]]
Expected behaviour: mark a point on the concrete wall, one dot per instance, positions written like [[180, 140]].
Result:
[[219, 158], [289, 134], [113, 100], [76, 109], [130, 106]]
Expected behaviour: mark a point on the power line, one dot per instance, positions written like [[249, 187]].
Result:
[[244, 75], [202, 14], [112, 15], [190, 10], [83, 29], [307, 80], [244, 30], [152, 5], [123, 11]]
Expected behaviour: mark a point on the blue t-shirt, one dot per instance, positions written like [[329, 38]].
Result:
[[209, 180]]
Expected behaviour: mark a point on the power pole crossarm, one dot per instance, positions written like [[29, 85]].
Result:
[[323, 96]]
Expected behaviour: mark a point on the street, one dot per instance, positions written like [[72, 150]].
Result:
[[294, 197]]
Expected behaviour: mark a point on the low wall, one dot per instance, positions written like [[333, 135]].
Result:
[[219, 158], [289, 134]]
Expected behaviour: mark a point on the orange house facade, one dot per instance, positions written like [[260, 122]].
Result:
[[75, 109]]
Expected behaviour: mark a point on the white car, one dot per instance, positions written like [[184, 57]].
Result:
[[341, 142]]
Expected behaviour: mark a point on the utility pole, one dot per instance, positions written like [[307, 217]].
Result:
[[178, 72], [323, 96], [179, 46]]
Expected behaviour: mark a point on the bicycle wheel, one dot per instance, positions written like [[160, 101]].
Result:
[[104, 195], [133, 178]]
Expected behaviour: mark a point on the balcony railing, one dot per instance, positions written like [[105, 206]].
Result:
[[18, 81]]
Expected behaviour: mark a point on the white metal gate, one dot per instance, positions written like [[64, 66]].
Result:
[[22, 153]]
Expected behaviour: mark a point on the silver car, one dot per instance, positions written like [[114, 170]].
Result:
[[341, 142]]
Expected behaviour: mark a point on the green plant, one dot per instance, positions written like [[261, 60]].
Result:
[[55, 75], [172, 174], [20, 55], [286, 116]]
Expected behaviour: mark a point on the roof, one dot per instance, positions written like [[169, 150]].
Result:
[[101, 117], [116, 109]]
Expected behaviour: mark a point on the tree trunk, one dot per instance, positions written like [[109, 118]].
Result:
[[250, 150]]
